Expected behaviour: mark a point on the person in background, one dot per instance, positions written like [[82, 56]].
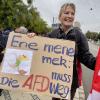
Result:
[[77, 25], [22, 30]]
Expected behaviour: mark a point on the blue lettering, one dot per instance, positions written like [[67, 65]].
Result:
[[54, 88], [61, 90], [70, 51], [58, 49], [62, 77], [9, 82], [55, 61], [16, 42]]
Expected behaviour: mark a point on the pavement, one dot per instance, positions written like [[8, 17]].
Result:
[[87, 73]]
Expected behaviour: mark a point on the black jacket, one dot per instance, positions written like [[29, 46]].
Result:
[[3, 41], [81, 52]]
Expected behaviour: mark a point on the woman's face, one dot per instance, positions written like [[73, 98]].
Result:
[[67, 17]]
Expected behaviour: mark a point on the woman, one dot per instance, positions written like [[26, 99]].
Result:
[[68, 32]]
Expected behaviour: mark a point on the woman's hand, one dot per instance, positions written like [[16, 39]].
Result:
[[30, 35]]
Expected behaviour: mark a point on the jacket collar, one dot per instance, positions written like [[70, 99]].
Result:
[[71, 28]]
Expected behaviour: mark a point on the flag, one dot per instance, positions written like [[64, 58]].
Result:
[[95, 91]]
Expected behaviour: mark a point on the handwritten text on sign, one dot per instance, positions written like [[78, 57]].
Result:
[[42, 65]]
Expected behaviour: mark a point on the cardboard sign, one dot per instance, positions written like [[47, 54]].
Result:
[[41, 65]]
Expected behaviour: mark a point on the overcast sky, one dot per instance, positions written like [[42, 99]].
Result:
[[87, 12]]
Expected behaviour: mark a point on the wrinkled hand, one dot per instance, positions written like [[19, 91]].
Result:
[[30, 35]]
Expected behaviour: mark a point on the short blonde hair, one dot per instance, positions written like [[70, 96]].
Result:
[[64, 6]]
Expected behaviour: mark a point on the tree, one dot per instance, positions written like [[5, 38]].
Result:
[[88, 34], [92, 35], [99, 36], [14, 13]]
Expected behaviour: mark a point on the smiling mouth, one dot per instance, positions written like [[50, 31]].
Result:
[[68, 20]]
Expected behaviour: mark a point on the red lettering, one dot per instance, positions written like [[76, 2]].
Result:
[[28, 82], [43, 81]]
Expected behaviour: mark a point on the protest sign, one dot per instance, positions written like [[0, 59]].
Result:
[[39, 64]]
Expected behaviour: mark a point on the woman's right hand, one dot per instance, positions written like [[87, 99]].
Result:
[[30, 35]]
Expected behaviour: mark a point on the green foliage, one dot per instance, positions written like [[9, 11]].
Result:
[[14, 13], [88, 35], [93, 35], [99, 36]]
